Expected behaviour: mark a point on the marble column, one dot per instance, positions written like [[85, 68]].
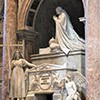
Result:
[[93, 49], [9, 37]]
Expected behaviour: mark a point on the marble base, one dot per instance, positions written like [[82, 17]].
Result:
[[30, 97], [75, 59]]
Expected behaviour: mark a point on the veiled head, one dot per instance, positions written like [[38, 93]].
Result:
[[17, 55], [59, 10]]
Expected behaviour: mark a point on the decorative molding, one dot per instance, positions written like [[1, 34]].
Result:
[[23, 13], [46, 76], [56, 54]]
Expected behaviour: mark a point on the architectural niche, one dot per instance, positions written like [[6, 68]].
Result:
[[92, 52], [38, 14], [35, 24], [40, 82]]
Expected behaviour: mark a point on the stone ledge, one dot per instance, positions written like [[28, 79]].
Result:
[[73, 59], [56, 54]]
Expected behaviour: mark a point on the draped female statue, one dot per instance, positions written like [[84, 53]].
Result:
[[17, 79]]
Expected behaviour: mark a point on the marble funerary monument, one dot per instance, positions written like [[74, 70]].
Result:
[[43, 54], [44, 51], [58, 70]]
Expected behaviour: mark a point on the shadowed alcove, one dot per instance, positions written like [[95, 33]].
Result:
[[40, 17]]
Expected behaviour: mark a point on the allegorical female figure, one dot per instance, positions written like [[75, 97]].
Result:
[[66, 36], [17, 80]]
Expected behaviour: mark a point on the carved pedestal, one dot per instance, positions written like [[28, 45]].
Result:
[[75, 59], [52, 68], [48, 81]]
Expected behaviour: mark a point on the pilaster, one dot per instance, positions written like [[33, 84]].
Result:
[[9, 37], [93, 49]]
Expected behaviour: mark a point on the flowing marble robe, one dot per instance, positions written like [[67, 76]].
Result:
[[66, 35], [17, 86]]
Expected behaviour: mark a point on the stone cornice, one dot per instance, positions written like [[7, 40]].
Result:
[[56, 54]]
